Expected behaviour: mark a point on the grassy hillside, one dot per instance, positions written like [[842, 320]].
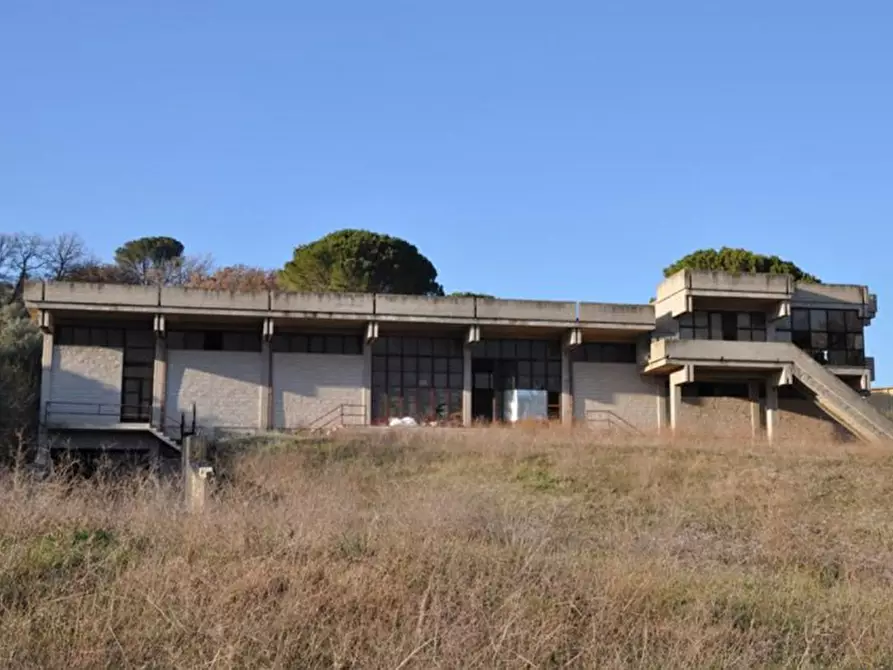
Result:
[[503, 549]]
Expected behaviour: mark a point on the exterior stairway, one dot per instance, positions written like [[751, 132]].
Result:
[[836, 398]]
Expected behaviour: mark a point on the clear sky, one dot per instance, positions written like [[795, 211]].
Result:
[[530, 149]]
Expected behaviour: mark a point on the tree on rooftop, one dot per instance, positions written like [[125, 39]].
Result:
[[470, 294], [728, 259], [157, 260], [363, 261]]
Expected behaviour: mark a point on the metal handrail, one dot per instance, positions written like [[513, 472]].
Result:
[[612, 418], [337, 414]]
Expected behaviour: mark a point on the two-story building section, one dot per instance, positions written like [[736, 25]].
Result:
[[714, 353]]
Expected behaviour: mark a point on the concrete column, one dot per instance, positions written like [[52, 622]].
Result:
[[367, 382], [662, 406], [368, 342], [567, 394], [771, 410], [753, 394], [677, 379], [265, 406], [467, 381], [472, 337], [46, 388], [159, 382]]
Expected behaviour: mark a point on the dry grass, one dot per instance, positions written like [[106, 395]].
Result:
[[496, 549]]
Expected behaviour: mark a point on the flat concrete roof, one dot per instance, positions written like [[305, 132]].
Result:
[[80, 298]]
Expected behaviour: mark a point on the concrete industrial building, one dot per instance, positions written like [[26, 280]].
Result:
[[731, 355]]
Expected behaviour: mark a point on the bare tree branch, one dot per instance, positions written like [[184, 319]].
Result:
[[62, 254]]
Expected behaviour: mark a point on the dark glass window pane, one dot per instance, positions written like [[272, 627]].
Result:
[[837, 357], [425, 347], [854, 342], [800, 319], [380, 346], [491, 349], [539, 350], [818, 319], [508, 349], [525, 381], [441, 347], [523, 349], [455, 380], [743, 335], [317, 344], [352, 345], [410, 378], [853, 322], [379, 379], [140, 338], [524, 367], [759, 334], [819, 341], [231, 341], [554, 384], [554, 368], [440, 380], [395, 345], [701, 319], [194, 340], [425, 364], [99, 337], [394, 364], [554, 351], [701, 334], [687, 333], [456, 365], [175, 340], [802, 339], [410, 363], [743, 320], [279, 343], [784, 323], [836, 321], [686, 320], [82, 337], [456, 348], [836, 341], [441, 364], [758, 320], [410, 346]]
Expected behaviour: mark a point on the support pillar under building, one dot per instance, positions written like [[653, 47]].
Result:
[[473, 337], [674, 399], [46, 388], [159, 374]]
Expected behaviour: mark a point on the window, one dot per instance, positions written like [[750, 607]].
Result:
[[214, 340], [92, 336], [606, 352], [317, 343], [831, 336], [416, 376], [742, 326]]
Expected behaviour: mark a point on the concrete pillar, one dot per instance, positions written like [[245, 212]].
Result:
[[265, 406], [771, 410], [159, 373], [677, 379], [367, 383], [472, 337], [467, 385], [46, 388], [753, 394], [567, 394], [662, 405], [368, 342], [572, 339]]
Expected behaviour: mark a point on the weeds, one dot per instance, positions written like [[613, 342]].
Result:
[[486, 549]]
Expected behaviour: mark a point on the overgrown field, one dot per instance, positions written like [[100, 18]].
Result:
[[503, 548]]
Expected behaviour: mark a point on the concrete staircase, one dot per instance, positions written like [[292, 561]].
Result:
[[839, 400]]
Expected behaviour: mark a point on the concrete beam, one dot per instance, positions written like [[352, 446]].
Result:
[[45, 321], [473, 335], [159, 325], [573, 338], [267, 330]]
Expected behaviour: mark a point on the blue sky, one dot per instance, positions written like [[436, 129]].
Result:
[[548, 150]]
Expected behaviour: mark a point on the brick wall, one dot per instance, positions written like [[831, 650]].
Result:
[[617, 388], [224, 385], [83, 379], [307, 386]]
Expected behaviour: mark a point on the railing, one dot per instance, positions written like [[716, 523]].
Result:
[[337, 416], [612, 419], [121, 413], [114, 414]]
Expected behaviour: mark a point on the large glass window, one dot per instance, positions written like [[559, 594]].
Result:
[[419, 377], [831, 336], [605, 352], [317, 343], [214, 340], [741, 326]]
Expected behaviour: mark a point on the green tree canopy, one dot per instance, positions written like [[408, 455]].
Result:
[[738, 260], [470, 294], [363, 261], [145, 260]]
